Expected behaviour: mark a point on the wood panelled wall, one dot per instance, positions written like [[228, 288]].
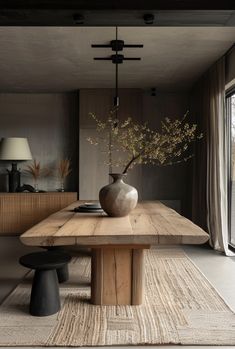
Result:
[[93, 174]]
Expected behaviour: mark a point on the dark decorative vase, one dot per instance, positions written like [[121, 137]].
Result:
[[118, 199], [14, 178]]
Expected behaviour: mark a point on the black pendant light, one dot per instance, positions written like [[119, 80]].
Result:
[[117, 45]]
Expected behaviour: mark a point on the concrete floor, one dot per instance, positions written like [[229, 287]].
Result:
[[219, 270]]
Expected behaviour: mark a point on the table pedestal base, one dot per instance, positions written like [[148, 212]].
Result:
[[117, 275]]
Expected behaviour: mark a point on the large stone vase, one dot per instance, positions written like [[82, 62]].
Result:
[[118, 199]]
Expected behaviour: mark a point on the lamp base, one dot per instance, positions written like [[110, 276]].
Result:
[[14, 178]]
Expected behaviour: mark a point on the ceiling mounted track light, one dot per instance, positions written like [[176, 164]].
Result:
[[117, 45], [78, 18], [117, 58], [149, 18]]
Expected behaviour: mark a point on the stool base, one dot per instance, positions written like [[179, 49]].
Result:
[[45, 299]]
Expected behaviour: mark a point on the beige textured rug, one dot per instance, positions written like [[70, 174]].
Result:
[[180, 307]]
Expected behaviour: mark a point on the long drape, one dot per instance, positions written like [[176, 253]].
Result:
[[210, 184]]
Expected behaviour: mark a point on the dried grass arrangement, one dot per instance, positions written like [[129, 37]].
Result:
[[64, 169], [36, 171]]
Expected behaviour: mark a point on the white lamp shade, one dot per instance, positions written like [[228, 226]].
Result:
[[15, 148]]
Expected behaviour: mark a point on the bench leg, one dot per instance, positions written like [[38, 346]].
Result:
[[63, 273], [45, 299]]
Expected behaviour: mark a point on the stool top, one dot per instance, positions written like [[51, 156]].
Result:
[[45, 260]]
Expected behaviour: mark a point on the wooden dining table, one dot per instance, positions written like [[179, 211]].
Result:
[[117, 244]]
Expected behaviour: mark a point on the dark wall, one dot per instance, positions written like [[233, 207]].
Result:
[[51, 124], [167, 182]]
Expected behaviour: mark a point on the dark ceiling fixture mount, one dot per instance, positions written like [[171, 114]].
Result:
[[117, 58], [153, 91], [78, 18], [117, 45], [149, 18]]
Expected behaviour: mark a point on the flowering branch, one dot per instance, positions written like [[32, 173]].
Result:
[[141, 145]]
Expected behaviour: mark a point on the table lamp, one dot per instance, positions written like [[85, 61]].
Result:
[[14, 149]]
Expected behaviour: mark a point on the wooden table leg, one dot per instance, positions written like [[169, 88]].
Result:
[[117, 275], [137, 276]]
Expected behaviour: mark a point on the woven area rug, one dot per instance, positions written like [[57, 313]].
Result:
[[180, 307]]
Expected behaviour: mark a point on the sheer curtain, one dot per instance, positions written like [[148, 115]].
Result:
[[210, 186]]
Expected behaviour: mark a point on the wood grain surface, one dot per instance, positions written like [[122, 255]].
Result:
[[150, 223], [117, 275]]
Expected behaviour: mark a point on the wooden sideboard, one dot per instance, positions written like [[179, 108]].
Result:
[[20, 211]]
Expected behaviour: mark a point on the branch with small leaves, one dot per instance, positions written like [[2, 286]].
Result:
[[142, 145]]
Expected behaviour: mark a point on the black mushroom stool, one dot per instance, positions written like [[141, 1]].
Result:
[[45, 299]]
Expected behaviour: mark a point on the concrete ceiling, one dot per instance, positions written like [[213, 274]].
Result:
[[49, 59]]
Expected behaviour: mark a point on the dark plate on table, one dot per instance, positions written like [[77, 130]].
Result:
[[92, 207]]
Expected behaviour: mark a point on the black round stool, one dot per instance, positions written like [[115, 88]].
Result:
[[45, 299]]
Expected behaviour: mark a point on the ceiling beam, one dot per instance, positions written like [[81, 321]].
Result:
[[29, 17], [120, 4], [127, 12]]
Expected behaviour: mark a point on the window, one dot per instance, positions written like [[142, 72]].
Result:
[[231, 118]]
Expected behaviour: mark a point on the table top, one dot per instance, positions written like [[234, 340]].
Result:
[[150, 223]]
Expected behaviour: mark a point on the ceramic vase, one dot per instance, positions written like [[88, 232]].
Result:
[[118, 199]]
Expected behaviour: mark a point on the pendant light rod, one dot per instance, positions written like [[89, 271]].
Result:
[[116, 98]]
